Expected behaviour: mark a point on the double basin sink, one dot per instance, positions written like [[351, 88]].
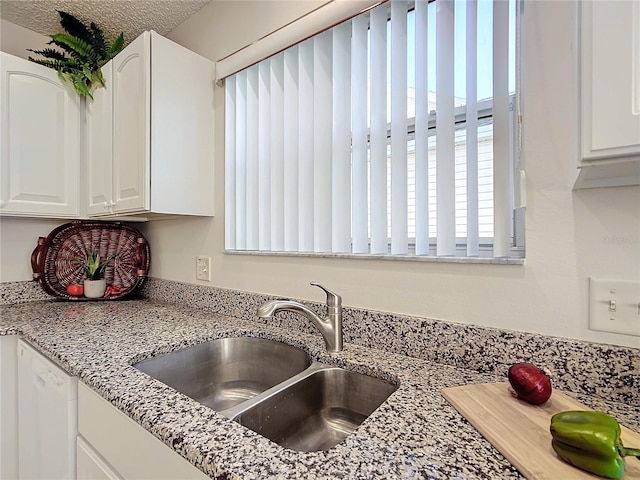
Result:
[[272, 388]]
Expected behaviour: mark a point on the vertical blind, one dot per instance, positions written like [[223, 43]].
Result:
[[391, 133]]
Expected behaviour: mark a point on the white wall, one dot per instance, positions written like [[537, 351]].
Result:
[[15, 39], [571, 236], [18, 238], [224, 26]]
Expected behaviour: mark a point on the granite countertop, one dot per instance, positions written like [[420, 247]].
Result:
[[414, 434]]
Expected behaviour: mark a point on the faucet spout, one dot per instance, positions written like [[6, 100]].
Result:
[[330, 327]]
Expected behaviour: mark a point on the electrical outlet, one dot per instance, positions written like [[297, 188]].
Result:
[[614, 306], [203, 268]]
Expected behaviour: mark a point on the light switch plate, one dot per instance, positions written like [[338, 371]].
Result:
[[614, 306], [203, 268]]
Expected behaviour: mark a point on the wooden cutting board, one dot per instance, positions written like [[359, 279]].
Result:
[[521, 431]]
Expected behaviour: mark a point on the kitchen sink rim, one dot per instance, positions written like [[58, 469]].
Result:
[[319, 354], [233, 413]]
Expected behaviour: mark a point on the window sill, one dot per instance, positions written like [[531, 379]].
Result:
[[403, 258]]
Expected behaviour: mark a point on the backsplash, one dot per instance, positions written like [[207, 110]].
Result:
[[607, 371]]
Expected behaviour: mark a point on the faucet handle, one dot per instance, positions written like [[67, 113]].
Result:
[[333, 299]]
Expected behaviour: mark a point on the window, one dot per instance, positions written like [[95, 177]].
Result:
[[393, 133]]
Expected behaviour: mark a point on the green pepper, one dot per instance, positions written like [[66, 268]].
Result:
[[590, 441]]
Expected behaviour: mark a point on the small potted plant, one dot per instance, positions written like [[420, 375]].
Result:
[[94, 285]]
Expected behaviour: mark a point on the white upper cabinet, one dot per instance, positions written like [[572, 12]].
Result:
[[39, 141], [610, 93], [162, 159]]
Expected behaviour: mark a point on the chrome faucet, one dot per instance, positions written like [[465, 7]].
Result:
[[330, 327]]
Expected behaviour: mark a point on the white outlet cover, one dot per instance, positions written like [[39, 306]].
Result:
[[203, 268], [625, 316]]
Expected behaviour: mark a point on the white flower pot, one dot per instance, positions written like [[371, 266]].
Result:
[[95, 288]]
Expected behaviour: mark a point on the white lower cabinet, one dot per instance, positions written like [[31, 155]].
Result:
[[91, 466], [114, 446], [54, 427], [47, 417], [8, 408]]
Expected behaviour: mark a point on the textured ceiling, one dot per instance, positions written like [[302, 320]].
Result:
[[114, 16]]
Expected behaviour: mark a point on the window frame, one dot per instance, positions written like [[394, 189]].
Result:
[[485, 111]]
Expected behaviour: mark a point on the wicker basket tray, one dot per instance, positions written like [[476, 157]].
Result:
[[55, 259]]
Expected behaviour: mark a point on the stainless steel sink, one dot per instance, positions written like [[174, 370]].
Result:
[[317, 412], [226, 372], [272, 388]]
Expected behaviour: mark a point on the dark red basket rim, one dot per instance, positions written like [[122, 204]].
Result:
[[55, 264]]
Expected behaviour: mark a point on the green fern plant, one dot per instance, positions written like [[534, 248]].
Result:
[[84, 50]]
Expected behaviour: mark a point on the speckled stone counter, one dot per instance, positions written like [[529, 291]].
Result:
[[414, 434]]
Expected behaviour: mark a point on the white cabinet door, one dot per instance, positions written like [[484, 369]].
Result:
[[124, 445], [8, 408], [99, 145], [610, 93], [39, 141], [47, 418], [131, 126], [610, 78]]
